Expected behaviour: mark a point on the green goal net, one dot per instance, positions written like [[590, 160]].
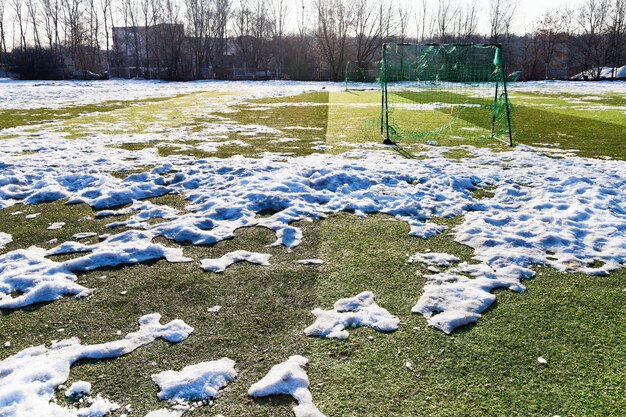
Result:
[[456, 92]]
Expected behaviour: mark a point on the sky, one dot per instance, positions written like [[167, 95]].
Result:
[[530, 11], [527, 11]]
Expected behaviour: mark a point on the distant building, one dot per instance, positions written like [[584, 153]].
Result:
[[163, 51]]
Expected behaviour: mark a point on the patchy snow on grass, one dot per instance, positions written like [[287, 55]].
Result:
[[310, 261], [220, 264], [78, 389], [39, 279], [434, 259], [58, 94], [358, 311], [83, 235], [145, 211], [457, 296], [99, 407], [5, 239], [576, 87], [567, 213], [30, 377], [164, 412], [56, 226], [288, 378], [201, 381]]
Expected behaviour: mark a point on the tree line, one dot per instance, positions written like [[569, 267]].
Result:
[[296, 39]]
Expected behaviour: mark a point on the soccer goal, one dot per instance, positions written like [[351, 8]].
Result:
[[455, 92], [358, 77]]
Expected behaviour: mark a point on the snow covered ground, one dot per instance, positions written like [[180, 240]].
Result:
[[16, 94], [568, 213], [573, 87], [28, 379]]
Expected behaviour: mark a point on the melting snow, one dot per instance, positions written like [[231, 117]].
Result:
[[452, 299], [78, 388], [432, 259], [30, 377], [357, 311], [163, 412], [56, 226], [84, 235], [288, 378], [220, 264], [195, 382], [566, 213], [58, 94], [310, 261], [5, 239], [39, 279]]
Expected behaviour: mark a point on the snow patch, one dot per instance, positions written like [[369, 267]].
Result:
[[56, 226], [310, 261], [78, 388], [5, 239], [434, 259], [357, 311], [83, 235], [163, 412], [39, 279], [195, 382], [30, 377], [288, 378], [452, 299], [220, 264]]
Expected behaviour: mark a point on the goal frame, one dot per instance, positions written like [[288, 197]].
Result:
[[384, 115]]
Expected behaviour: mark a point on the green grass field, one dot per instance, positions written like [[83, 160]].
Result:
[[577, 322]]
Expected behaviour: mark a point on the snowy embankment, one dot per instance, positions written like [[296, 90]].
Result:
[[566, 213]]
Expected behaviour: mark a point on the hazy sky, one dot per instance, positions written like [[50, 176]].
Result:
[[527, 11], [531, 10]]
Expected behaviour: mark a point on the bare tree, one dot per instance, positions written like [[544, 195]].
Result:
[[170, 38], [422, 18], [51, 20], [402, 19], [198, 17], [334, 20], [3, 42], [33, 17], [18, 9], [279, 10], [93, 38], [371, 26], [131, 11], [220, 11], [548, 35], [252, 29], [501, 14], [73, 25], [468, 21], [105, 7], [444, 13], [302, 20], [592, 19], [616, 32]]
